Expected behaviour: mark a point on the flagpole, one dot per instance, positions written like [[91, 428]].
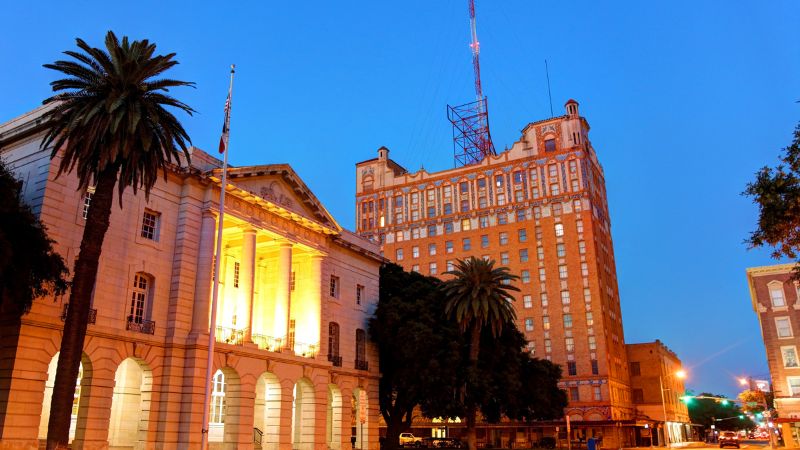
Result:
[[217, 261]]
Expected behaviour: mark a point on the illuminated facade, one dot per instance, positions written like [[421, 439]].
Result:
[[540, 209], [293, 368]]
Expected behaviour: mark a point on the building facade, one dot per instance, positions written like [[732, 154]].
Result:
[[293, 368], [540, 209], [656, 387], [775, 300]]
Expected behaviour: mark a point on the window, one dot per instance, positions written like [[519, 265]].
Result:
[[398, 236], [415, 268], [398, 201], [562, 271], [592, 343], [522, 234], [587, 295], [540, 253], [463, 187], [544, 299], [560, 250], [535, 192], [523, 255], [498, 180], [431, 211], [521, 215], [589, 319], [552, 170], [414, 215], [448, 208], [537, 212], [501, 199], [529, 324], [527, 302], [554, 189], [776, 294], [503, 238], [547, 346], [567, 320], [138, 298], [636, 369], [399, 254], [447, 191], [526, 276], [579, 226], [570, 344], [518, 176], [466, 244], [638, 396], [359, 293], [484, 241], [559, 229], [565, 297], [545, 322], [794, 386], [431, 195], [333, 341], [483, 221], [573, 393], [465, 225], [595, 371], [502, 218], [518, 196], [415, 233], [415, 252], [581, 247], [218, 398], [448, 227], [448, 246], [431, 249], [398, 218], [541, 274], [573, 166], [504, 258], [361, 346], [334, 287], [414, 198], [431, 230], [550, 145], [534, 174], [585, 269], [572, 368], [481, 183], [576, 204], [464, 205], [596, 389], [236, 270], [450, 266], [87, 200], [789, 356], [150, 221], [557, 209], [432, 268], [292, 281], [574, 186]]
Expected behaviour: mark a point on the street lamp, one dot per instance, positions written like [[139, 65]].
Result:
[[680, 374]]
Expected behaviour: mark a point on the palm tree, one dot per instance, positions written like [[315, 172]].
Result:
[[109, 124], [478, 297]]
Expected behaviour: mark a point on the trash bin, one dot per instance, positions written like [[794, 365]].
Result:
[[591, 444]]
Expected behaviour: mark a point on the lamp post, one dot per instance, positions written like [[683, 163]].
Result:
[[680, 374]]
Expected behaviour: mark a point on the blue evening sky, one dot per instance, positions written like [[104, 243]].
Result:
[[687, 99]]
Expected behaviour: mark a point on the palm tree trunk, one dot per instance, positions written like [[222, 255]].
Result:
[[474, 352], [78, 313]]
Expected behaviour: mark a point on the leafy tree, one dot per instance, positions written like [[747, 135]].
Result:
[[478, 297], [418, 348], [29, 267], [776, 191], [755, 401], [110, 123], [711, 411]]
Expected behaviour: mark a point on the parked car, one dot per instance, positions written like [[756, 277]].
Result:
[[729, 438], [409, 440]]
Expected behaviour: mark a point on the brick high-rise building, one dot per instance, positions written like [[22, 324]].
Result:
[[539, 208]]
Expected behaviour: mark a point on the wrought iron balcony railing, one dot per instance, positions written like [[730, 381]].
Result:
[[230, 335], [306, 350], [92, 314], [336, 360], [145, 326], [269, 343], [362, 365]]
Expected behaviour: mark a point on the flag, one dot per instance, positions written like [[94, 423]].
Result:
[[223, 140]]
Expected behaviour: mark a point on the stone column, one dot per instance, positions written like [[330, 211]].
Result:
[[314, 301], [205, 268], [247, 278], [282, 291]]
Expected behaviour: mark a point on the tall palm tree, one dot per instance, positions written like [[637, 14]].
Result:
[[110, 124], [479, 297]]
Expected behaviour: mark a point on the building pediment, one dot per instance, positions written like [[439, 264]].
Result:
[[279, 185]]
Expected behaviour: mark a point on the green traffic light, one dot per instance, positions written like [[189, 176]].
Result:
[[759, 415], [741, 416], [686, 399], [724, 402]]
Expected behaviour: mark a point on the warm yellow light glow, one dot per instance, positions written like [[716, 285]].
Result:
[[681, 374], [743, 381]]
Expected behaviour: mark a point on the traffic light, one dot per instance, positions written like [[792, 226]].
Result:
[[686, 399], [741, 416], [724, 402], [759, 415]]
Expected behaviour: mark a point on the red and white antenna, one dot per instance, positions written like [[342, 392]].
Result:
[[471, 139]]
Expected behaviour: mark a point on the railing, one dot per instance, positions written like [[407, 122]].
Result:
[[258, 436], [306, 350], [269, 343], [145, 326], [362, 365], [336, 360], [230, 335], [92, 314]]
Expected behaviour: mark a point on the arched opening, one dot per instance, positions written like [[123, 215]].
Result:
[[334, 418], [130, 405], [267, 413], [223, 422], [360, 419], [303, 415], [76, 403]]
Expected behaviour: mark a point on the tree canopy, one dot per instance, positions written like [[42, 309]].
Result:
[[29, 266], [713, 411]]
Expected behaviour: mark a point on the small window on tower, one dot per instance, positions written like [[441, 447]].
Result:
[[550, 145]]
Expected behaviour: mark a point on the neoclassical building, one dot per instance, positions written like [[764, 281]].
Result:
[[293, 368]]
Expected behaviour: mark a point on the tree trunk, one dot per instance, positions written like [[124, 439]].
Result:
[[472, 440], [83, 282], [474, 352]]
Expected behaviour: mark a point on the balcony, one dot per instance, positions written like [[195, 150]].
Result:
[[306, 350], [145, 326], [92, 314], [269, 343], [362, 365], [230, 335], [336, 360]]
